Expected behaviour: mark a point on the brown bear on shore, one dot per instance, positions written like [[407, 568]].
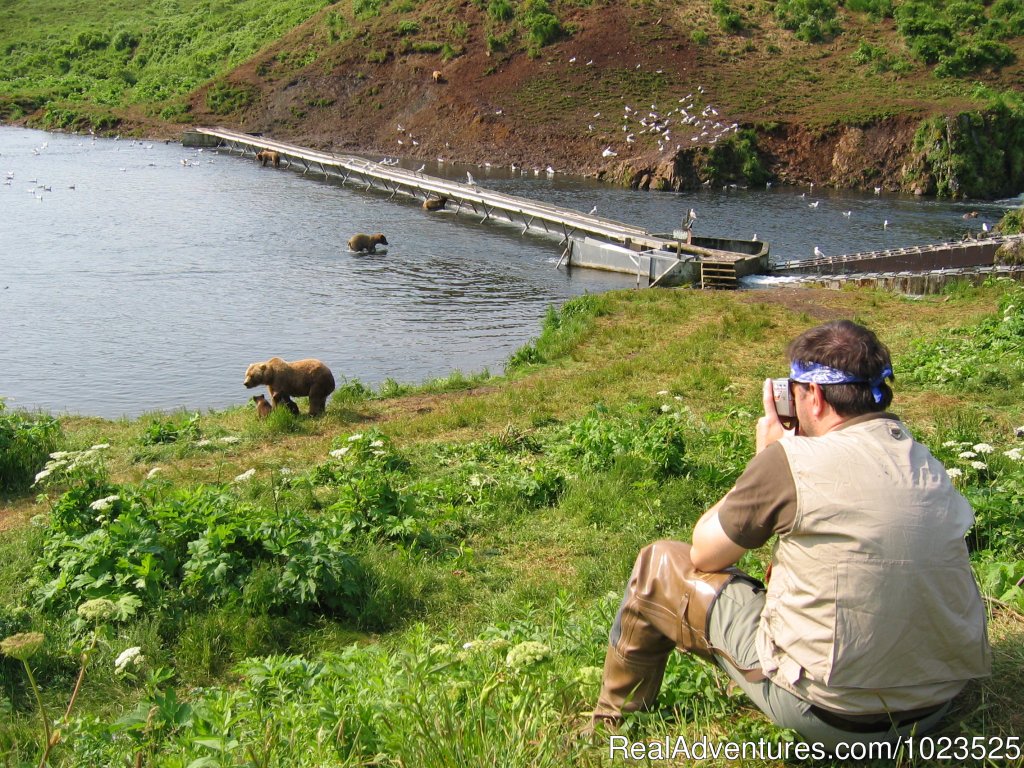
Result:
[[287, 402], [269, 156], [302, 378], [437, 76], [368, 243], [262, 406], [435, 203]]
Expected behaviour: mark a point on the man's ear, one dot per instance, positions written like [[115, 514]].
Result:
[[817, 395]]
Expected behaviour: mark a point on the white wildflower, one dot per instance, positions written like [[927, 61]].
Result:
[[339, 452], [377, 444], [678, 398], [132, 656], [285, 470], [154, 472], [245, 476], [662, 393], [467, 646], [984, 448], [203, 442], [101, 504], [353, 438], [1014, 453], [43, 474], [967, 454], [954, 472], [99, 447], [60, 454], [231, 439], [952, 444], [979, 465], [475, 481], [666, 408]]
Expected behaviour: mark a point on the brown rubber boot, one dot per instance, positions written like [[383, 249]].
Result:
[[666, 606]]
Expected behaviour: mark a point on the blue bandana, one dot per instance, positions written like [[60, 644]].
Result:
[[815, 373]]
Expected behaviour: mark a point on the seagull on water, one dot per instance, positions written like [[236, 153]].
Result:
[[878, 190], [885, 224], [469, 178], [847, 214], [818, 253], [984, 227], [421, 168], [814, 204], [593, 211]]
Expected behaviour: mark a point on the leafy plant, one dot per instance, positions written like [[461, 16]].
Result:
[[811, 20], [164, 431], [224, 99], [541, 25], [975, 357], [25, 444]]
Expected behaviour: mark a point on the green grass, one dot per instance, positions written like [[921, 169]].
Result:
[[115, 53], [426, 575]]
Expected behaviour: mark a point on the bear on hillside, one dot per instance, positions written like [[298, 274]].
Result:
[[368, 243], [302, 378], [269, 156], [262, 406]]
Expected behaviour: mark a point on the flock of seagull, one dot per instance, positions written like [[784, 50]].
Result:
[[38, 188]]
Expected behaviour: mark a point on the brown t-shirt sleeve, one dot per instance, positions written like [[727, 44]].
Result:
[[763, 501]]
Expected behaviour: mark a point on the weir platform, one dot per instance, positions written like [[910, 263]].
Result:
[[953, 255], [586, 240]]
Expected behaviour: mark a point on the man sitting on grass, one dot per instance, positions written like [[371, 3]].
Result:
[[871, 621]]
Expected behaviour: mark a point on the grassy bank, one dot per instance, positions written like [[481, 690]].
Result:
[[426, 576]]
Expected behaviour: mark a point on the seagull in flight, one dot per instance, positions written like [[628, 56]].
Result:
[[818, 253], [421, 168], [593, 211]]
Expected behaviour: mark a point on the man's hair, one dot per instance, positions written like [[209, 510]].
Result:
[[848, 347]]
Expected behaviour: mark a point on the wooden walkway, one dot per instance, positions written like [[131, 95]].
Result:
[[463, 197], [955, 255]]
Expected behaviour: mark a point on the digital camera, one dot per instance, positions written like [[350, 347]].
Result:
[[785, 404]]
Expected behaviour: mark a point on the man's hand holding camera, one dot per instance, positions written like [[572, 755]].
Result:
[[770, 427]]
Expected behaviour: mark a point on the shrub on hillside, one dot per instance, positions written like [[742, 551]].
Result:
[[500, 10], [811, 20], [541, 25], [25, 444], [223, 99]]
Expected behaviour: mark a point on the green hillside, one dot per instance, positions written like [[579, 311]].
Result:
[[427, 576], [833, 91]]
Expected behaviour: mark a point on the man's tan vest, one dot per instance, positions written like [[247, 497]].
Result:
[[872, 606]]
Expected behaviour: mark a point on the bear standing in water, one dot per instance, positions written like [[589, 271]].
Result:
[[366, 243]]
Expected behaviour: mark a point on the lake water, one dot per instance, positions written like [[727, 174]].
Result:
[[132, 282]]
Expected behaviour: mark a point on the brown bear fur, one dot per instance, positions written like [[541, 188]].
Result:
[[437, 76], [302, 378], [368, 243], [262, 406], [435, 203], [287, 402], [269, 156]]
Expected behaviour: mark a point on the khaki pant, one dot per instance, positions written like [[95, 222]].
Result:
[[733, 627], [666, 607]]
